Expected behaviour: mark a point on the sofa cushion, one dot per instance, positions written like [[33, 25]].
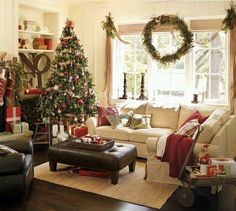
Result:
[[118, 133], [186, 111], [163, 117], [142, 135], [137, 107], [213, 124]]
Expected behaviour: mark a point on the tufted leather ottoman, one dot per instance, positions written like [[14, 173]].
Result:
[[111, 160]]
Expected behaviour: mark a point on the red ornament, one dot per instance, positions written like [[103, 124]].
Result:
[[80, 101], [63, 106], [66, 74]]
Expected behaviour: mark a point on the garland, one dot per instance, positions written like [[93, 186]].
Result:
[[230, 20], [110, 28], [178, 24]]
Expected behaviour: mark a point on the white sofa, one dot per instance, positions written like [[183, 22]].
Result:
[[166, 120]]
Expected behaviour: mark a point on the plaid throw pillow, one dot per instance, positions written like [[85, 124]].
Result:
[[189, 128]]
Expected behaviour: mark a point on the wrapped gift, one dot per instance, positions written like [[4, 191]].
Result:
[[12, 115], [19, 127], [79, 131], [71, 128], [228, 163]]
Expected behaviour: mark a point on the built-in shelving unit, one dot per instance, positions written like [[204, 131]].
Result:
[[35, 32], [34, 51]]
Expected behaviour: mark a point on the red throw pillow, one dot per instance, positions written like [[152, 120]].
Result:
[[103, 112], [195, 115]]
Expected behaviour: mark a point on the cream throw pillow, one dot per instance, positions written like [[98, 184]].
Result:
[[213, 124]]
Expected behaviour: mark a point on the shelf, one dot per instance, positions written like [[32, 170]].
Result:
[[35, 32], [35, 51]]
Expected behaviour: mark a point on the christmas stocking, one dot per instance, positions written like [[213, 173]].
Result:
[[3, 82], [10, 84]]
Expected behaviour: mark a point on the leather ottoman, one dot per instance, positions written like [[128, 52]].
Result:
[[111, 160]]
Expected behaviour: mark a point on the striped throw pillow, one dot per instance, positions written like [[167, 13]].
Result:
[[189, 128]]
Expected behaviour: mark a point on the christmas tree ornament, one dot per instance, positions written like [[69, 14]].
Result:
[[56, 87], [3, 82]]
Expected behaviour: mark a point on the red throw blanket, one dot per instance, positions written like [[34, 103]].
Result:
[[177, 147]]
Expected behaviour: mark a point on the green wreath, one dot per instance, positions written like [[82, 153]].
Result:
[[178, 24]]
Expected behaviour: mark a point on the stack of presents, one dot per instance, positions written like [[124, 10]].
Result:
[[13, 120], [10, 112]]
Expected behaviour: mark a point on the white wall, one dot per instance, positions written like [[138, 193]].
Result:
[[88, 17], [8, 39]]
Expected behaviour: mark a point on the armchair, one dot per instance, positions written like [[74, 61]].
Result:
[[16, 169]]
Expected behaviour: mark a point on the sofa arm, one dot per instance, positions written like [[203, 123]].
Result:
[[91, 123], [13, 163], [151, 145], [25, 147]]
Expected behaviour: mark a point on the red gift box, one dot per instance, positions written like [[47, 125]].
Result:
[[87, 172], [79, 131], [71, 129], [12, 115]]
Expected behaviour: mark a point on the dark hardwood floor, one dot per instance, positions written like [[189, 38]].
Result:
[[46, 196]]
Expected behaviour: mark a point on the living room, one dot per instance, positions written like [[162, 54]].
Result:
[[167, 63]]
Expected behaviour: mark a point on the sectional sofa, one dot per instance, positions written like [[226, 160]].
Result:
[[219, 132], [166, 120]]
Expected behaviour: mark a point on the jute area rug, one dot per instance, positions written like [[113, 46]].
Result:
[[131, 187]]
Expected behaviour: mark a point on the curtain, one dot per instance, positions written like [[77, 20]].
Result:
[[108, 68], [232, 70]]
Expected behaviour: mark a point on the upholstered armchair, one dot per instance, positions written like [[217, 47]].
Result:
[[16, 169]]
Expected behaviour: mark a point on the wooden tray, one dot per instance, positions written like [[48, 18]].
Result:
[[92, 146]]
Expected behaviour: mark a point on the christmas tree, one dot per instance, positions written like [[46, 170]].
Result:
[[69, 91]]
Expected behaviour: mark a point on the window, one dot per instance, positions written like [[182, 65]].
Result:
[[202, 71], [167, 81], [209, 67]]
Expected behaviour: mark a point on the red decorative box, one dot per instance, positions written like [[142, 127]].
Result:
[[79, 131], [87, 172], [12, 115]]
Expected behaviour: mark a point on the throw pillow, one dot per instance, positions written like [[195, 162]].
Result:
[[5, 150], [195, 115], [213, 124], [129, 117], [114, 120], [189, 128], [140, 121], [103, 112]]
